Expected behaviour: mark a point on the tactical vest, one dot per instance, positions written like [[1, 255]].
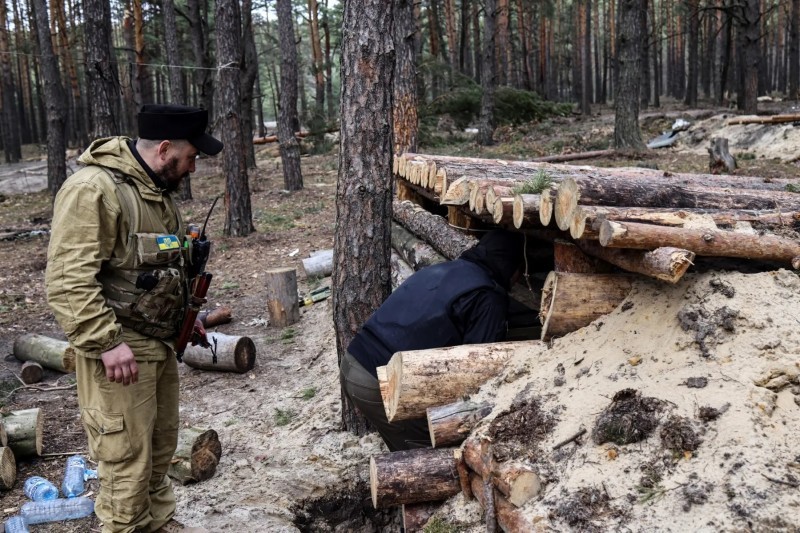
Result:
[[147, 286]]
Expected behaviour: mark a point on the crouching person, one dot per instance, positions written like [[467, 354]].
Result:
[[464, 301]]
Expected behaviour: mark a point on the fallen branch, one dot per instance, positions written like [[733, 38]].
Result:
[[573, 438]]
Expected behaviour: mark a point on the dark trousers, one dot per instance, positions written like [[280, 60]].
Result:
[[364, 392]]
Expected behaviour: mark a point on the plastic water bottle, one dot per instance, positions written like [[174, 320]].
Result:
[[73, 476], [89, 474], [57, 510], [39, 489], [16, 524]]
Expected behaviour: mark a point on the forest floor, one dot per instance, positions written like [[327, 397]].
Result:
[[286, 463]]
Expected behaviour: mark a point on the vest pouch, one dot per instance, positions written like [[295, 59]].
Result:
[[163, 302], [156, 249]]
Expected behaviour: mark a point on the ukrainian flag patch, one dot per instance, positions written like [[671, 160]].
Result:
[[168, 242]]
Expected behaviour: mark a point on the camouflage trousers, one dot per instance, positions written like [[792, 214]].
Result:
[[132, 432]]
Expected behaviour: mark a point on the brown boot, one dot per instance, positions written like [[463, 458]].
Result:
[[173, 526]]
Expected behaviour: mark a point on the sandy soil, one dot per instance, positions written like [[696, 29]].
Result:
[[287, 466]]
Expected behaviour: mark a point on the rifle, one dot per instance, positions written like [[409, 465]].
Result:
[[199, 280]]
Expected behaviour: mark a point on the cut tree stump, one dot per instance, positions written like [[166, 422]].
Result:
[[518, 482], [450, 424], [720, 159], [282, 304], [50, 353], [416, 515], [31, 372], [714, 243], [234, 354], [572, 301], [664, 263], [419, 379], [8, 468], [412, 476], [196, 456], [216, 317], [24, 430]]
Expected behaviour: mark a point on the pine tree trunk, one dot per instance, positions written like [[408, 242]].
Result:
[[238, 217], [627, 134], [318, 118], [488, 75], [173, 55], [12, 143], [406, 125], [99, 72], [794, 51], [55, 98], [362, 272], [287, 118], [203, 77], [249, 71]]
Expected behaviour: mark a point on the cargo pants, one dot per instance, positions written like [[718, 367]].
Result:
[[363, 391], [132, 432]]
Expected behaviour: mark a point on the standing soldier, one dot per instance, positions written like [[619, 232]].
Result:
[[117, 283]]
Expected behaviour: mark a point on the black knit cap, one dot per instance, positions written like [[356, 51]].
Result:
[[172, 121]]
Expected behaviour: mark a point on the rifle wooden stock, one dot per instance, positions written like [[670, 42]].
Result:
[[196, 300]]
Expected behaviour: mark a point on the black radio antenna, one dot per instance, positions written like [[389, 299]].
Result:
[[203, 232]]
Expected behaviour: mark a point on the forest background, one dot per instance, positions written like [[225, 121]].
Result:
[[73, 71]]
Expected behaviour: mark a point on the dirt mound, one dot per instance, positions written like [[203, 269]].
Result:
[[689, 430], [771, 141]]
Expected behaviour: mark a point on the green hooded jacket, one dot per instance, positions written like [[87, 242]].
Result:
[[92, 243]]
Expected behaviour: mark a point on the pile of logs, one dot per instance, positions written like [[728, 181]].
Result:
[[606, 226]]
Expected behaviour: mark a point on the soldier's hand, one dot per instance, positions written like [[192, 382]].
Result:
[[120, 365]]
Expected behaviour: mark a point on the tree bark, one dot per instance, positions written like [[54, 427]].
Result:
[[196, 456], [486, 123], [176, 91], [412, 476], [204, 80], [568, 257], [233, 353], [720, 157], [51, 353], [318, 120], [450, 424], [238, 210], [55, 101], [288, 122], [627, 134], [572, 301], [406, 122], [705, 242], [794, 51], [401, 270], [419, 379], [12, 141], [24, 429], [432, 229], [248, 80], [100, 71], [362, 243], [281, 298]]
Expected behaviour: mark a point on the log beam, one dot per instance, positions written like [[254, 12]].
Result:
[[24, 429], [572, 301], [419, 379], [234, 354], [450, 424], [414, 251], [664, 263], [714, 243], [196, 456], [50, 353], [281, 299], [412, 476], [8, 468], [433, 229], [526, 210]]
